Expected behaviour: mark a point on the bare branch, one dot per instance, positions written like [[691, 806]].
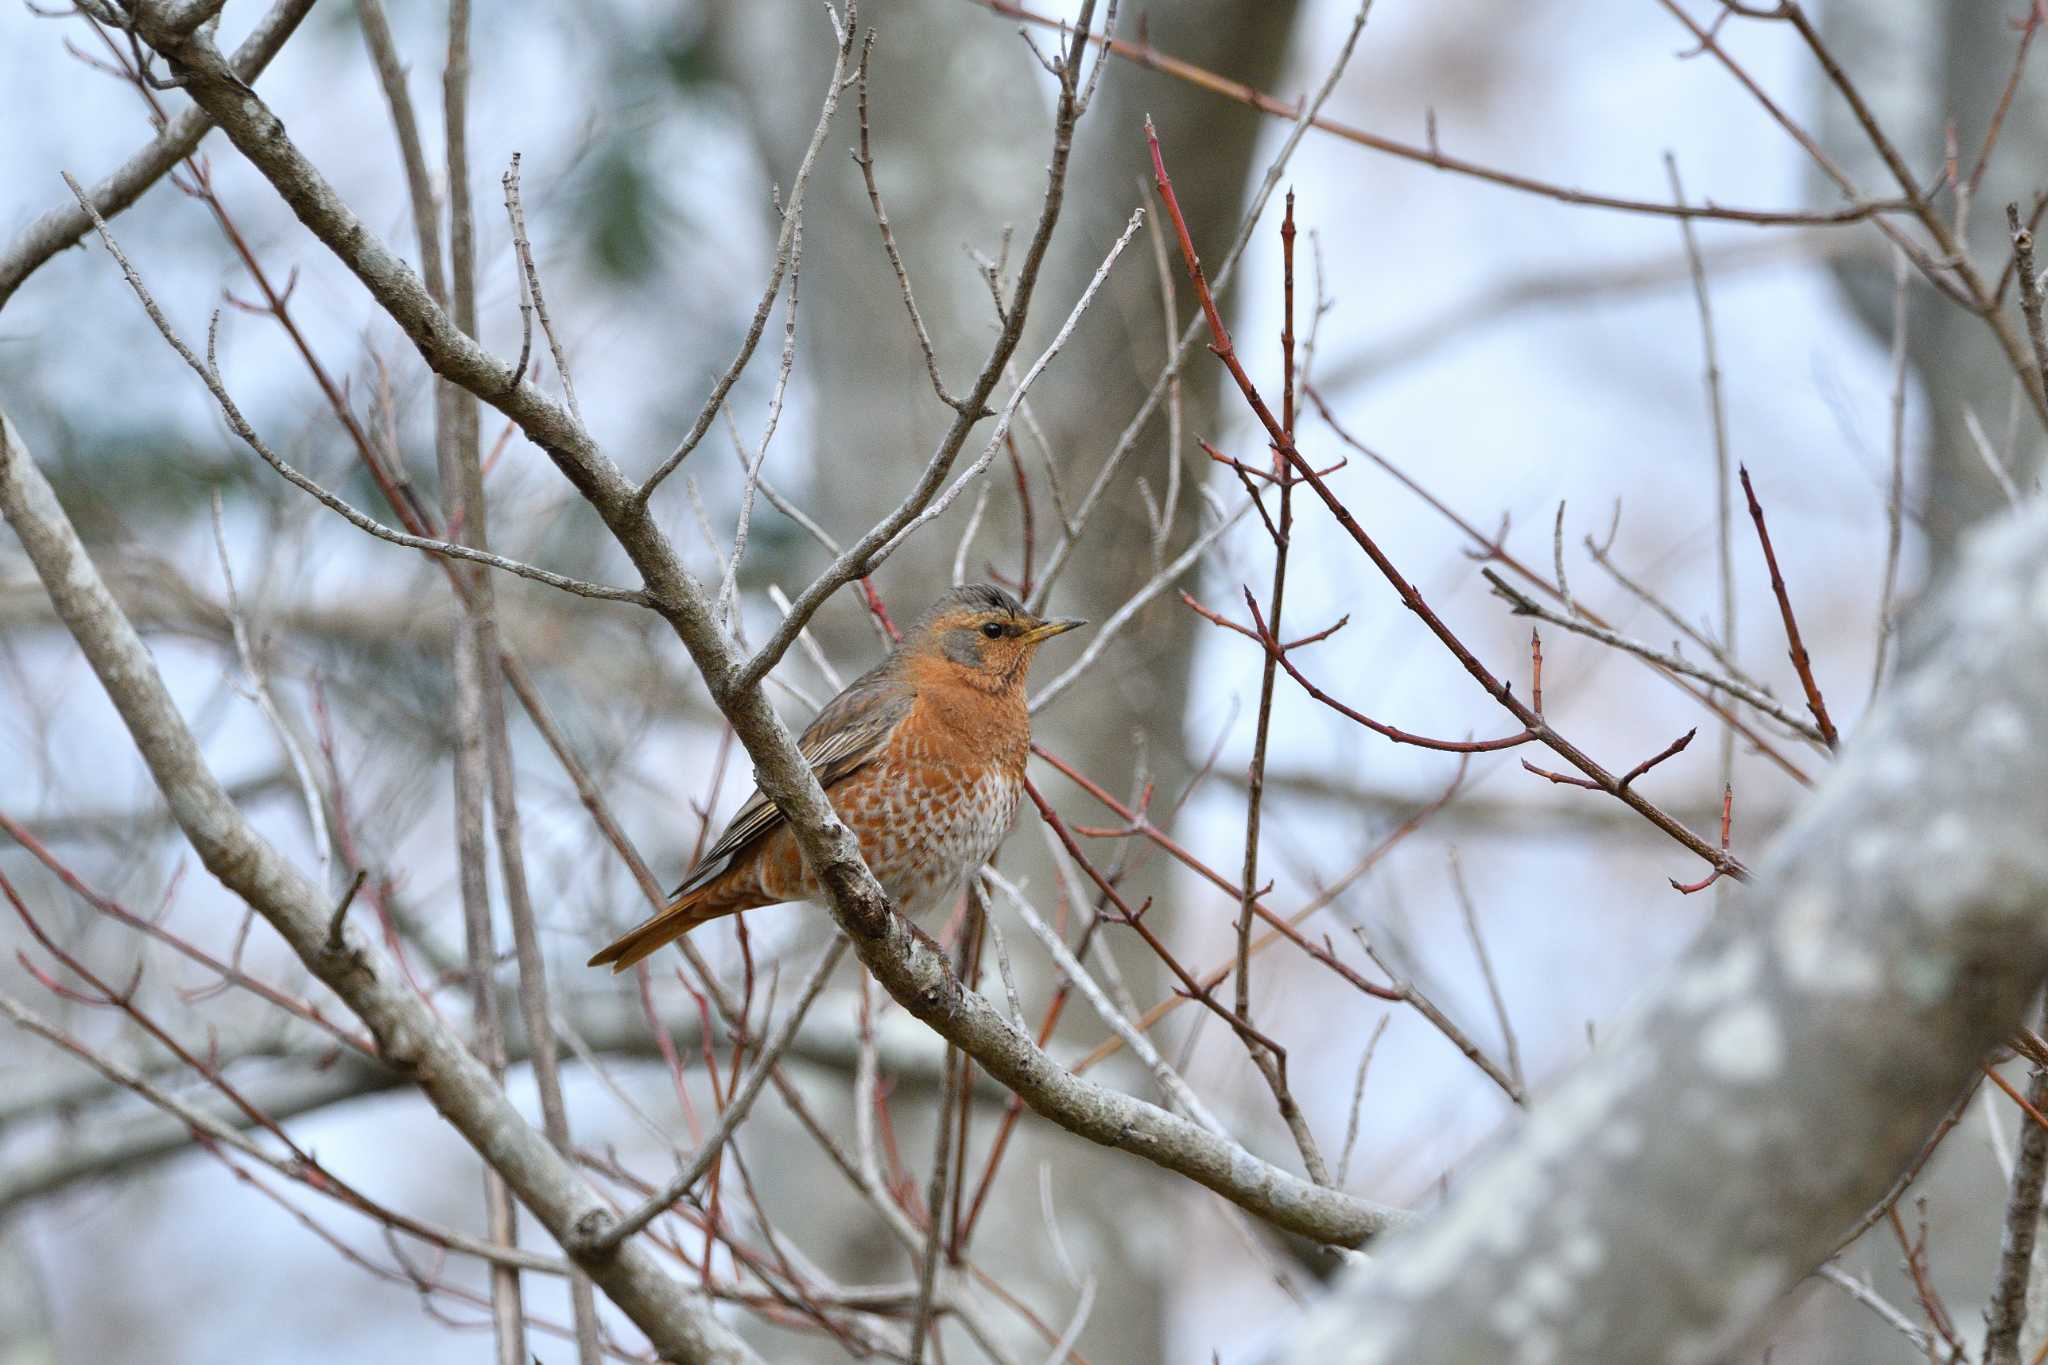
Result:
[[1690, 1231], [210, 376], [408, 1032], [64, 225]]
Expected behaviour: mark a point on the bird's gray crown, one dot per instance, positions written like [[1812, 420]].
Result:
[[977, 597]]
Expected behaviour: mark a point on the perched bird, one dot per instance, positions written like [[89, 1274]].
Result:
[[922, 757]]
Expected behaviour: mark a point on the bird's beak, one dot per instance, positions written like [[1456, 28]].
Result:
[[1045, 630]]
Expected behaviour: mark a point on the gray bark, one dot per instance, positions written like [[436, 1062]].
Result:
[[408, 1032], [1918, 63], [1712, 1153], [957, 157]]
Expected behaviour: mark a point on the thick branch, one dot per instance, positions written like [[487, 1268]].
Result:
[[408, 1032], [64, 225], [1703, 1161], [907, 967]]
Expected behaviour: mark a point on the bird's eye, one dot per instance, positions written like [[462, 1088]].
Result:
[[993, 629]]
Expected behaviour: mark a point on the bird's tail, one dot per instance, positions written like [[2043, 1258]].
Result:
[[682, 915]]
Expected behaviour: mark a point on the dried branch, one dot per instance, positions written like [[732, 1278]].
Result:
[[1748, 694], [2008, 1310], [64, 225], [209, 374], [1763, 1018], [408, 1032], [1410, 596], [843, 32], [1801, 665]]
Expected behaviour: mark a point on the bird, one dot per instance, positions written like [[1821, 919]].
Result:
[[922, 757]]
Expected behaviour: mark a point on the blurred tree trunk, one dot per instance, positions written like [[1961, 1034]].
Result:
[[1919, 63], [960, 118]]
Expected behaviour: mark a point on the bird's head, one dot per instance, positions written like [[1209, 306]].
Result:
[[981, 635]]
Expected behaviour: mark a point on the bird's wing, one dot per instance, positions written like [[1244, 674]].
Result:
[[843, 739]]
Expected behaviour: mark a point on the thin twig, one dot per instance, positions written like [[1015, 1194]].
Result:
[[736, 1110], [1801, 664], [1724, 490], [1996, 466], [1751, 696], [1876, 1303], [266, 700], [523, 245], [210, 376], [865, 159], [1895, 491], [1145, 56], [1358, 1098], [1255, 776], [1500, 1008]]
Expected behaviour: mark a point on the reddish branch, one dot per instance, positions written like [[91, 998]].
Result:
[[1135, 919], [2015, 1096], [880, 612], [1144, 55], [1501, 692], [1492, 548], [1277, 653], [1566, 779], [1727, 818], [229, 973], [2028, 27], [1930, 1299], [1284, 927], [1801, 665]]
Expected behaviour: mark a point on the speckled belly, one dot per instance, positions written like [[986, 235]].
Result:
[[925, 836], [922, 827]]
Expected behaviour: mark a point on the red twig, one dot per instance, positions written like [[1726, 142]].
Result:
[[1278, 652], [1283, 444], [1727, 818], [881, 613], [1252, 471], [2015, 1096], [1492, 548], [1142, 54], [1675, 746], [1135, 919], [1801, 664], [1282, 925], [1930, 1298]]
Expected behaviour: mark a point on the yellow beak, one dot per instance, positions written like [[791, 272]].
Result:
[[1045, 630]]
